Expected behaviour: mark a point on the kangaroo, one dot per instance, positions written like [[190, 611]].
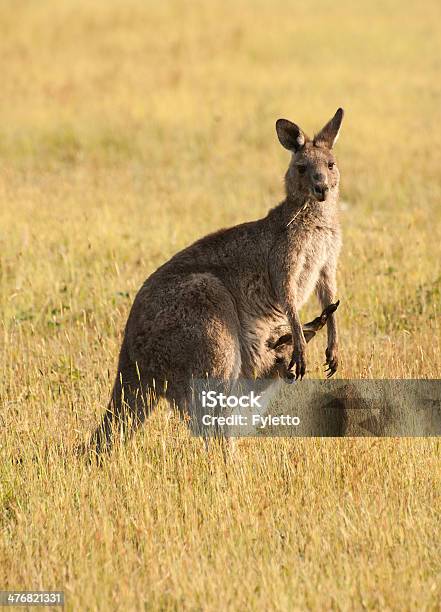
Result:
[[213, 308]]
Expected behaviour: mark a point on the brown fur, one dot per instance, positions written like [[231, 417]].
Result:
[[212, 308]]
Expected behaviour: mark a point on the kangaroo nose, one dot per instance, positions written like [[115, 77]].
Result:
[[318, 177], [321, 191]]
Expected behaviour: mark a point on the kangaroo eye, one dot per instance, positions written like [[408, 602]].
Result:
[[301, 168], [331, 165]]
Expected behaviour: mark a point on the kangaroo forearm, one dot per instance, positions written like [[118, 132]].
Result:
[[298, 337], [326, 293], [332, 331], [326, 290]]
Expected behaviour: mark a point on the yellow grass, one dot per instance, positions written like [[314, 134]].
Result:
[[128, 130]]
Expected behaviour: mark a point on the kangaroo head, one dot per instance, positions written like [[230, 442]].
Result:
[[312, 172]]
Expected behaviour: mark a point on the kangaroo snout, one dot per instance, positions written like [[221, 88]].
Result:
[[320, 187], [320, 191]]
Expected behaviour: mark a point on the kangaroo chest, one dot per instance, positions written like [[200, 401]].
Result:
[[307, 259]]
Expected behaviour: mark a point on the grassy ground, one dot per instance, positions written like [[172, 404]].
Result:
[[128, 130]]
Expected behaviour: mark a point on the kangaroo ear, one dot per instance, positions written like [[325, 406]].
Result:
[[290, 135], [327, 137]]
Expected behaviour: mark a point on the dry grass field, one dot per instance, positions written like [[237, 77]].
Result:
[[128, 130]]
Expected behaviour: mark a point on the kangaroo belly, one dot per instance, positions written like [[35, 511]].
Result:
[[257, 358]]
